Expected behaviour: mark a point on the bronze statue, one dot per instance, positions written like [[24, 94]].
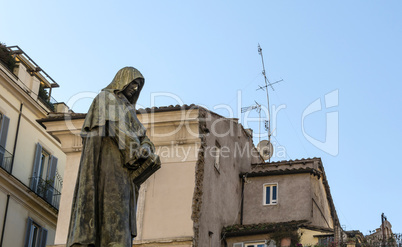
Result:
[[117, 157]]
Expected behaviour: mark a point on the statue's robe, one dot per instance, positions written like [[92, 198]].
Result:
[[104, 204]]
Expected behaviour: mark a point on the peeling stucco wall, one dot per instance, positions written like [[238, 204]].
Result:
[[217, 195], [320, 205], [294, 202], [199, 177]]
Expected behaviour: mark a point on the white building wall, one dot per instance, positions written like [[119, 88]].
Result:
[[23, 202]]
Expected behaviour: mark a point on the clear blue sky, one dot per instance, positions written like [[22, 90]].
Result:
[[204, 52]]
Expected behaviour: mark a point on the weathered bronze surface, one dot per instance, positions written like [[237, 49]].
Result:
[[117, 157]]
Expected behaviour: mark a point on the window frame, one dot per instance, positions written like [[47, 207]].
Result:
[[44, 164], [35, 234], [44, 171], [271, 200], [255, 244], [4, 127], [326, 241]]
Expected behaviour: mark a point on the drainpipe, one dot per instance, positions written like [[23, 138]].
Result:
[[242, 200], [16, 138], [4, 221]]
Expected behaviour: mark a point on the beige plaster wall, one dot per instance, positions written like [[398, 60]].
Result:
[[321, 210], [294, 201], [167, 211], [30, 133], [3, 202], [165, 199], [307, 236], [17, 216], [23, 202], [70, 176], [25, 79], [9, 106], [14, 233]]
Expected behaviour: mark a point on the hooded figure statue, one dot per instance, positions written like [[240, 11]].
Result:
[[116, 158]]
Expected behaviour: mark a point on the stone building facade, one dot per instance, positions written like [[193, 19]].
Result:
[[196, 192], [31, 160], [213, 188], [288, 202]]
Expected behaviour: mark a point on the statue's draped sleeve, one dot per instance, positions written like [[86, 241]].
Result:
[[111, 115], [103, 209]]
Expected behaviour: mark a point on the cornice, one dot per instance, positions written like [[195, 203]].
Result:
[[26, 197], [21, 94]]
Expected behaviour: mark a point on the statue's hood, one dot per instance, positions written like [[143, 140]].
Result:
[[123, 78]]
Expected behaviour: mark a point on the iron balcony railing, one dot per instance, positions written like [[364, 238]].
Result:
[[48, 101], [5, 159], [49, 190]]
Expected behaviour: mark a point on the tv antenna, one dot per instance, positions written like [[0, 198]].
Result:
[[266, 148], [258, 109]]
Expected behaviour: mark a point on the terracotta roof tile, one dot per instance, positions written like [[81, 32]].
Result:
[[241, 230]]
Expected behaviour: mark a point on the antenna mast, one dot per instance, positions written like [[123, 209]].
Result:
[[267, 83], [258, 109], [265, 147]]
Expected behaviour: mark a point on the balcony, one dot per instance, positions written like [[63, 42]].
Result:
[[5, 159], [17, 64], [47, 100], [49, 190]]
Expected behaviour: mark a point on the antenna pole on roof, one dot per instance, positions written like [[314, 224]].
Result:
[[266, 89], [267, 83]]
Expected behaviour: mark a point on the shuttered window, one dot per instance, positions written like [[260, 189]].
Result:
[[50, 178], [4, 123], [43, 173], [35, 235]]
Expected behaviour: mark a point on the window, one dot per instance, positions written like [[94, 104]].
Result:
[[35, 235], [44, 163], [262, 244], [43, 174], [270, 194], [5, 160], [325, 240], [268, 243]]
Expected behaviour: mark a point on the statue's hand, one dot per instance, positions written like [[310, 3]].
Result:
[[133, 164], [145, 151]]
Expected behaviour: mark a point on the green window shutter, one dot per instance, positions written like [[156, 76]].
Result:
[[28, 232], [5, 121], [4, 130], [36, 167], [52, 168], [43, 237], [51, 174]]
